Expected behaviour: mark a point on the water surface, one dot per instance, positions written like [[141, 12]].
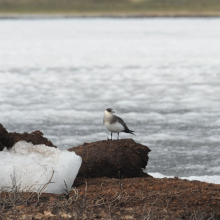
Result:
[[162, 76]]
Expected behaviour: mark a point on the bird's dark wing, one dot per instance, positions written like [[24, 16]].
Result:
[[123, 123]]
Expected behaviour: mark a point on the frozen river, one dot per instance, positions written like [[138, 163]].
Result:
[[162, 76]]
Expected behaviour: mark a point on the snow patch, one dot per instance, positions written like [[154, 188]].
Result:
[[32, 166], [208, 179]]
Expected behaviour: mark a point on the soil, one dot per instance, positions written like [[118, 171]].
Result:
[[8, 139], [115, 159], [129, 198]]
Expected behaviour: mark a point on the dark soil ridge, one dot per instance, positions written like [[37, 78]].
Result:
[[8, 139]]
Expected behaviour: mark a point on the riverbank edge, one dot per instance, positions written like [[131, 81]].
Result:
[[109, 15]]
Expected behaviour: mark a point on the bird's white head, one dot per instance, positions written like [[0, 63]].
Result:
[[109, 111]]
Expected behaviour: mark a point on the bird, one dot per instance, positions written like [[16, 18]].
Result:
[[114, 123]]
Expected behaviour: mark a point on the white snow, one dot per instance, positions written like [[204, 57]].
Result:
[[31, 167], [208, 179], [159, 175]]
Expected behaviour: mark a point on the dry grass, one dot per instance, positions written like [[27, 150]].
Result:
[[102, 202]]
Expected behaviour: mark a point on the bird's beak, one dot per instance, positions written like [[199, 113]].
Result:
[[113, 111]]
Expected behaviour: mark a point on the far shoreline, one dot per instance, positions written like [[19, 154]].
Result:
[[104, 15]]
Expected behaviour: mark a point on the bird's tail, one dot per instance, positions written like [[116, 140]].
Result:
[[129, 131]]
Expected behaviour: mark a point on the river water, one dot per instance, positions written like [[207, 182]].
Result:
[[162, 76]]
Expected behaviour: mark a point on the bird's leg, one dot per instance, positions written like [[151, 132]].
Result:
[[118, 135], [111, 135]]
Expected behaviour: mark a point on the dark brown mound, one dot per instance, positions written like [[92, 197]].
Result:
[[116, 159], [3, 137], [8, 139]]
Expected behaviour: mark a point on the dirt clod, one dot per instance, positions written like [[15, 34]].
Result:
[[115, 159], [8, 139]]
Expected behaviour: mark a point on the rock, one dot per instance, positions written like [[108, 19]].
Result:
[[26, 217], [8, 139], [128, 217], [21, 207], [39, 216], [65, 215], [115, 159], [48, 214]]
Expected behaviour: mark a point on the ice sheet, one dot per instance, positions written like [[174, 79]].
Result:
[[30, 167]]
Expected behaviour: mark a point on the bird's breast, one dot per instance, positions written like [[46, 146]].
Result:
[[114, 127]]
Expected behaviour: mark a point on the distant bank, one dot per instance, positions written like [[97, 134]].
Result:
[[108, 8], [123, 16]]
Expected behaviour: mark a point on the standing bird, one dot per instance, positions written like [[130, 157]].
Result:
[[114, 123]]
